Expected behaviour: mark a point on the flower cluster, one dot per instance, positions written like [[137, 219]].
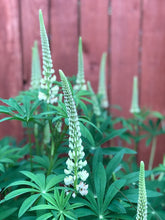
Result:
[[75, 174], [80, 81], [102, 91], [142, 200], [48, 91]]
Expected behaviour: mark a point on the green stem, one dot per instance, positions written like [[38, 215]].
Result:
[[36, 138], [152, 154], [30, 143]]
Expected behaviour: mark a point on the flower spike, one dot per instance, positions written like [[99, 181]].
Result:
[[35, 68], [49, 92], [80, 81], [102, 91], [75, 174], [142, 200], [135, 104]]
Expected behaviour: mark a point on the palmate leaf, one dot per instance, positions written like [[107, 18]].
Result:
[[112, 191], [22, 110], [38, 186], [8, 155], [27, 204], [112, 135], [18, 192], [113, 164], [39, 179], [59, 205]]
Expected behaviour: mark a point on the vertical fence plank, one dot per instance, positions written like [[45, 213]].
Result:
[[94, 29], [31, 31], [124, 53], [64, 37], [10, 60], [153, 64]]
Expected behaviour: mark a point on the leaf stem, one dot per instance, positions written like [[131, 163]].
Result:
[[152, 154]]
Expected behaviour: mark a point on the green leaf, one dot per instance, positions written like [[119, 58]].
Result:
[[115, 150], [83, 212], [100, 183], [113, 164], [35, 178], [88, 122], [45, 216], [41, 207], [5, 212], [27, 203], [23, 182], [50, 199], [113, 134], [134, 177], [112, 191], [117, 207], [6, 119], [86, 134], [18, 192], [52, 180]]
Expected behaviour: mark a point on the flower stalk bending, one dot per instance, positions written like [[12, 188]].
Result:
[[142, 200], [48, 91], [75, 174]]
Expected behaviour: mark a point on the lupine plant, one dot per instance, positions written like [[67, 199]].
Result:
[[67, 165]]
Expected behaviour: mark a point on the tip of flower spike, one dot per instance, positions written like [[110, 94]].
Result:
[[40, 15], [80, 40], [62, 75], [141, 164]]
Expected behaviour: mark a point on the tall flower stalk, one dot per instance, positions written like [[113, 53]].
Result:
[[80, 80], [75, 174], [102, 90], [142, 200], [35, 68], [48, 91], [135, 97]]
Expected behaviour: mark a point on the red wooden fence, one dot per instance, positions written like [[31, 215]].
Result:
[[131, 31]]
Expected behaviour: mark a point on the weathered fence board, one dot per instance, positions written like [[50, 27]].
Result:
[[65, 21], [94, 31], [124, 53], [10, 60], [153, 64], [64, 38], [30, 32]]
